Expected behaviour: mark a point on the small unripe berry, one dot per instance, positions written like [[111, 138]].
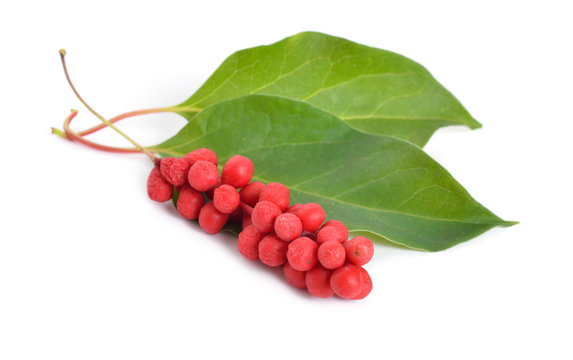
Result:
[[366, 285], [212, 220], [339, 226], [226, 199], [201, 154], [288, 227], [250, 194], [158, 189], [264, 215], [272, 251], [294, 277], [318, 282], [327, 233], [203, 175], [312, 216], [359, 250], [276, 193], [248, 243], [302, 254], [346, 281], [237, 171], [331, 254], [189, 202]]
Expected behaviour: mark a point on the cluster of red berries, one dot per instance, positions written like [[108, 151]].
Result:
[[315, 256]]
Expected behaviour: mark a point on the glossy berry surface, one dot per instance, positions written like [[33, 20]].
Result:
[[212, 220], [359, 250], [366, 285], [318, 282], [203, 154], [189, 202], [346, 281], [250, 194], [302, 254], [237, 171], [312, 216], [339, 226], [327, 233]]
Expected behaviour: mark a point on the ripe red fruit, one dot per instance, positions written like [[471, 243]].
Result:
[[203, 175], [331, 254], [359, 250], [211, 219], [366, 285], [248, 243], [302, 254], [294, 277], [237, 171], [318, 282], [288, 227], [276, 193], [327, 233], [189, 202], [226, 199], [201, 154], [158, 189], [211, 192], [312, 216], [272, 250], [346, 281], [264, 215], [339, 226], [175, 170], [250, 193]]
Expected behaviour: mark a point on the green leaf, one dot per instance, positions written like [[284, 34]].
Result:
[[377, 184], [373, 90]]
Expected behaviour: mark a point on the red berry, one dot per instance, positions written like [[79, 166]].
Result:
[[339, 226], [312, 216], [158, 189], [203, 175], [250, 193], [366, 285], [211, 220], [302, 254], [264, 215], [211, 192], [276, 193], [318, 282], [226, 199], [175, 170], [293, 208], [331, 254], [237, 171], [359, 250], [288, 227], [294, 277], [189, 202], [327, 233], [346, 281], [201, 154], [248, 243], [272, 251]]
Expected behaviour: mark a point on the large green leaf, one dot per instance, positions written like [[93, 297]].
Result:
[[374, 183], [373, 90]]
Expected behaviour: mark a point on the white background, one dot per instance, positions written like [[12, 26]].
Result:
[[92, 269]]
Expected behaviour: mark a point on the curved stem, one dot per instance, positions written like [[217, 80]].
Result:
[[246, 208], [73, 136], [125, 116], [105, 121]]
